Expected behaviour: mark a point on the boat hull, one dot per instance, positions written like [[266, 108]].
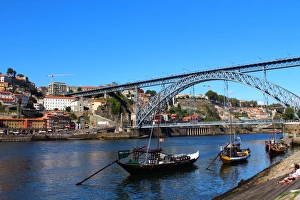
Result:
[[229, 160], [244, 155], [274, 151], [135, 168]]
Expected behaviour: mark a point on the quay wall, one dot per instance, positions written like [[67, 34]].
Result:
[[292, 128]]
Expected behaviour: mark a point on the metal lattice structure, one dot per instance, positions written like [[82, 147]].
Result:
[[247, 68], [179, 82], [283, 96]]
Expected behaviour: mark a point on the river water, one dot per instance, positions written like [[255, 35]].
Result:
[[51, 169]]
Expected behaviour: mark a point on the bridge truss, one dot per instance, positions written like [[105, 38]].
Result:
[[261, 66], [180, 82], [148, 111]]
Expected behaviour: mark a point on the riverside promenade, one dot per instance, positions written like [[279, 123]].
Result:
[[264, 184]]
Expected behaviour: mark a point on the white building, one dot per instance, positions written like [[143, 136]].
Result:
[[7, 98], [38, 106], [57, 102], [5, 78]]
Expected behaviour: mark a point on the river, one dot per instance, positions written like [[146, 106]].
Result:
[[51, 169]]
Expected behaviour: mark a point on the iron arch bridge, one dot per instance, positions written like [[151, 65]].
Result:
[[247, 68], [182, 81], [152, 107]]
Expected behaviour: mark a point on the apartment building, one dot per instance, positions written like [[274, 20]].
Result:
[[57, 88], [7, 98], [57, 102]]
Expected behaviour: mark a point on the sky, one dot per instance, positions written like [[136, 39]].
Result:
[[97, 42]]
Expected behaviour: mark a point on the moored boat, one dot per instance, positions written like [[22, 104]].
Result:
[[273, 146], [232, 153], [275, 149], [154, 160]]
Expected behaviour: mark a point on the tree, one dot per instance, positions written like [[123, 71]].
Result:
[[213, 96], [73, 116], [79, 89], [1, 107], [68, 109], [151, 92], [288, 114], [115, 106], [10, 71]]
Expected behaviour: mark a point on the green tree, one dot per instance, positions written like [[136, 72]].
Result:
[[115, 106], [1, 107], [151, 92], [288, 114], [68, 109], [10, 71], [213, 96], [79, 89], [73, 117]]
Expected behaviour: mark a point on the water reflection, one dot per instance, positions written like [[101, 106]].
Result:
[[232, 171], [135, 186]]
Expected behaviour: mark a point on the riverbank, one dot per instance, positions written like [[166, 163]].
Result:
[[264, 183], [83, 134]]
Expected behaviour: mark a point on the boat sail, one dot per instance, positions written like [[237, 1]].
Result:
[[146, 160]]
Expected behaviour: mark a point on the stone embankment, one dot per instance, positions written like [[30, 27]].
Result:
[[264, 184]]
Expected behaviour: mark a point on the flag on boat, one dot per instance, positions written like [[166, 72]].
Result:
[[161, 139]]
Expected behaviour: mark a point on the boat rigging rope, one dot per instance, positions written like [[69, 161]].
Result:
[[146, 159]]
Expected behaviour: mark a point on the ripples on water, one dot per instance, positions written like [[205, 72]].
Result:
[[50, 170]]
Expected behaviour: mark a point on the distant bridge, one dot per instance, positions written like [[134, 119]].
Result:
[[180, 82], [213, 123], [247, 68]]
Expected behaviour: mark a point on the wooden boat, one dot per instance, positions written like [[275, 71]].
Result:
[[272, 146], [153, 160], [276, 149], [232, 153]]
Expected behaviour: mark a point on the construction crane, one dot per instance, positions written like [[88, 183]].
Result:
[[53, 75]]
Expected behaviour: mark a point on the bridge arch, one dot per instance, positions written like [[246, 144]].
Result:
[[281, 95]]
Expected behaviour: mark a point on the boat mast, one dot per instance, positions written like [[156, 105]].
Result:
[[226, 106], [274, 132], [228, 114], [158, 122]]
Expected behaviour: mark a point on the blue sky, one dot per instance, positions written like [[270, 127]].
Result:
[[103, 41]]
